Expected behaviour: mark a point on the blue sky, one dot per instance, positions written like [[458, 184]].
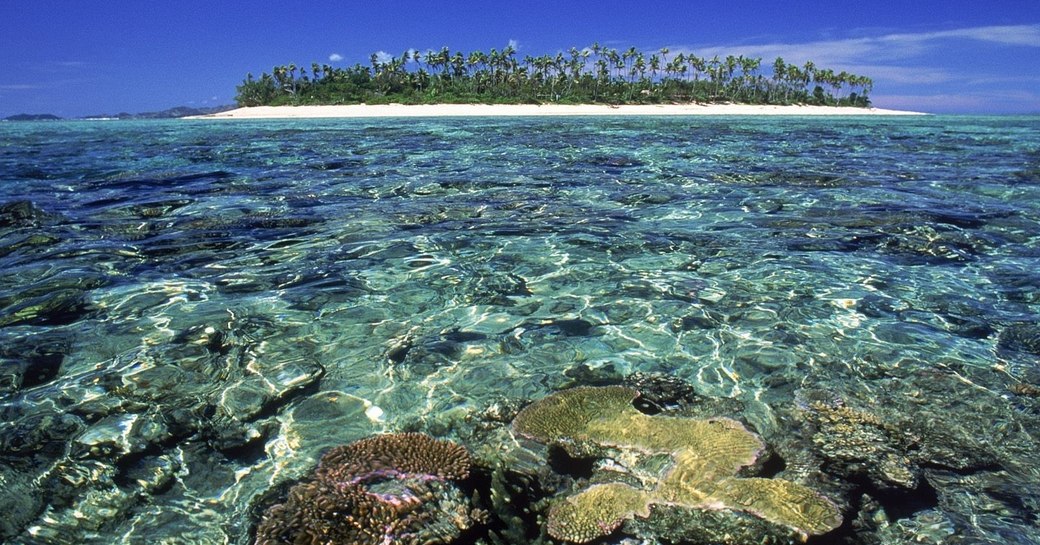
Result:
[[81, 57]]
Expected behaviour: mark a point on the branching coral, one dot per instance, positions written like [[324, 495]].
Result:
[[321, 512], [391, 488], [706, 456]]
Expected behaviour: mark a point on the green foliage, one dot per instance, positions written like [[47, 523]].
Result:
[[594, 75], [254, 92]]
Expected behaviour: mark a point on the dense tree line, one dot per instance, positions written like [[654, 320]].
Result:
[[580, 76]]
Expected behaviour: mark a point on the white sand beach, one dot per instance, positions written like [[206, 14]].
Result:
[[518, 110]]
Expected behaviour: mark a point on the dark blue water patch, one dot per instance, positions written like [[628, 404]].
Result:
[[1017, 283], [173, 183]]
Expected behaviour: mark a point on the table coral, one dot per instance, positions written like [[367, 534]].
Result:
[[706, 456], [597, 511]]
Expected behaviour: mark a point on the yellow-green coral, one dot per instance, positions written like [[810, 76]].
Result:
[[706, 455], [567, 415], [596, 511], [780, 501]]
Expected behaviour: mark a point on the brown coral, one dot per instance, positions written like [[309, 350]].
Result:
[[391, 488], [395, 453], [320, 512], [706, 455]]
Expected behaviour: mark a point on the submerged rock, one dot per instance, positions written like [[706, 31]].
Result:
[[32, 243], [676, 524], [30, 360], [56, 308], [858, 442], [22, 214], [119, 435], [202, 400], [1020, 338], [55, 298], [21, 501], [987, 507]]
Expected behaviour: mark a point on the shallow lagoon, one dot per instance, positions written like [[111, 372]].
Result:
[[191, 312]]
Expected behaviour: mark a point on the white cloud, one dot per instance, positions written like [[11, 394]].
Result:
[[1012, 101], [1004, 79], [515, 44], [930, 103], [335, 57], [882, 50], [383, 57], [913, 65], [901, 74], [59, 67], [1027, 35]]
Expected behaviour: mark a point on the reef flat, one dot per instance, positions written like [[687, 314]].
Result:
[[229, 332]]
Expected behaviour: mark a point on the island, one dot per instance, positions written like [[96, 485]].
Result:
[[31, 117], [595, 80], [592, 75], [592, 81], [169, 113], [540, 110]]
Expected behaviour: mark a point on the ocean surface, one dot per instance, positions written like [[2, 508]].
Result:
[[191, 312]]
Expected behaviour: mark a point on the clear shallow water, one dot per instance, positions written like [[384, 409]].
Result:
[[192, 311]]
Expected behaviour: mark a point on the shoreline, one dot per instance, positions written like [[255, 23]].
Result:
[[540, 110]]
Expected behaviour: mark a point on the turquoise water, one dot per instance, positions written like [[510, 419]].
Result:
[[191, 312]]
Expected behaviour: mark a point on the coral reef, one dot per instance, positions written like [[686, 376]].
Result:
[[861, 442], [706, 455], [598, 510], [920, 452], [321, 512], [400, 453], [394, 488]]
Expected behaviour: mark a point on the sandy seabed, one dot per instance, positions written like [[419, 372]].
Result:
[[519, 110]]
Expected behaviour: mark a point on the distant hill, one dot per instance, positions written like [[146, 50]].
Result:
[[172, 113], [32, 117]]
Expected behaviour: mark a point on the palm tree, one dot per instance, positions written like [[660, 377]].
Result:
[[292, 78], [639, 68], [808, 73], [715, 73], [602, 75], [779, 73], [613, 76], [825, 76], [698, 66], [444, 61]]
